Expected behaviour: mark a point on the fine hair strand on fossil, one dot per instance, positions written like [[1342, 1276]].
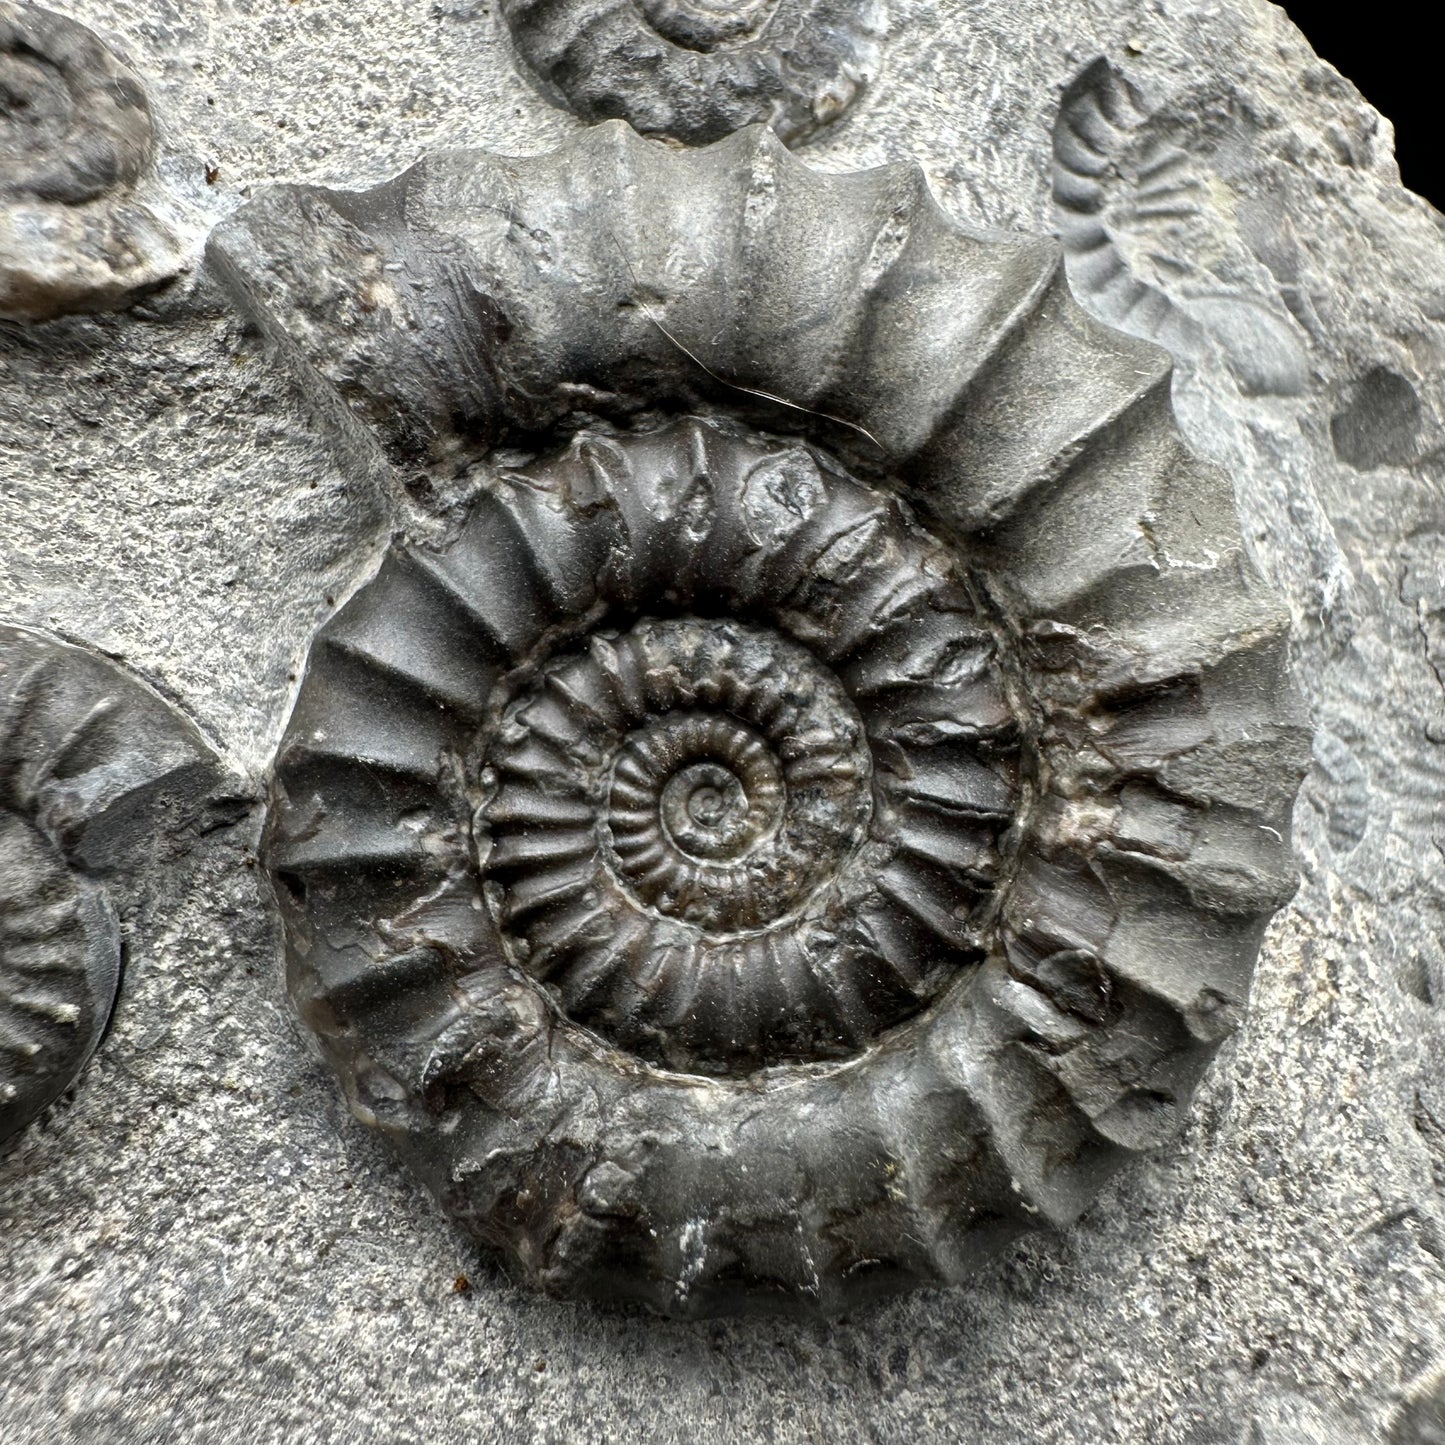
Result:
[[641, 302]]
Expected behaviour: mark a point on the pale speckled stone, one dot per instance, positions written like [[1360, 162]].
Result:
[[200, 1245]]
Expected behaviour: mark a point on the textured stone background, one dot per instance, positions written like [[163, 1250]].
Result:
[[200, 1245]]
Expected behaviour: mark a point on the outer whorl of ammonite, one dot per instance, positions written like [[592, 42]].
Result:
[[75, 138], [697, 70], [647, 1008], [88, 758]]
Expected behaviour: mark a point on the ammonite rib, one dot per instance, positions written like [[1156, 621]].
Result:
[[88, 757], [697, 71], [1081, 745], [76, 137]]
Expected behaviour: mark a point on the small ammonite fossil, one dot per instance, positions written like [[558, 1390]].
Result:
[[1136, 207], [804, 801], [59, 970], [89, 760], [697, 70], [76, 137]]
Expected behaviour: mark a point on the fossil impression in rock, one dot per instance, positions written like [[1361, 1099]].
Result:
[[697, 70], [77, 229], [1135, 202], [812, 809], [90, 762]]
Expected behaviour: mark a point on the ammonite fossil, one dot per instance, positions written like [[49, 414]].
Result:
[[803, 798], [75, 138], [697, 70], [89, 760], [1149, 248]]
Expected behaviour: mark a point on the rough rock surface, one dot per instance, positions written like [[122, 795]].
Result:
[[201, 1245]]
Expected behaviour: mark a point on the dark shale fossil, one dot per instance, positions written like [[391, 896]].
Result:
[[810, 810], [674, 766], [697, 70], [75, 139], [1137, 206], [88, 761]]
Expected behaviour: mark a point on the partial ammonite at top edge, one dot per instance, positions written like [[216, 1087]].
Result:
[[695, 70]]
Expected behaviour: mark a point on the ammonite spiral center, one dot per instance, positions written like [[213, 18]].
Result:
[[735, 785], [710, 814], [722, 797]]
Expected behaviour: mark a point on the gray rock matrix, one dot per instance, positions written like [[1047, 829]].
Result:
[[200, 1244]]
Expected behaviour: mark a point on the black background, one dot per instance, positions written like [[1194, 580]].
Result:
[[1392, 51]]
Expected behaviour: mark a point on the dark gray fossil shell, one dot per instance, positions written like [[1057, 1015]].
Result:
[[76, 123], [697, 70], [1135, 205], [814, 810], [75, 137], [88, 760]]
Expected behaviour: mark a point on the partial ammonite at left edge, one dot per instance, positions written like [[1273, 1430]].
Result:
[[92, 764]]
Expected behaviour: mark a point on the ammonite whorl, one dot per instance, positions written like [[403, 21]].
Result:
[[59, 971], [89, 759], [752, 812], [698, 70], [812, 805], [75, 137], [1148, 250]]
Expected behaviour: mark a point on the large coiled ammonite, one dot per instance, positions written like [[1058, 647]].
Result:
[[90, 760], [801, 797]]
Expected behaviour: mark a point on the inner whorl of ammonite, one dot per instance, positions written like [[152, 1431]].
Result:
[[724, 790], [752, 812]]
